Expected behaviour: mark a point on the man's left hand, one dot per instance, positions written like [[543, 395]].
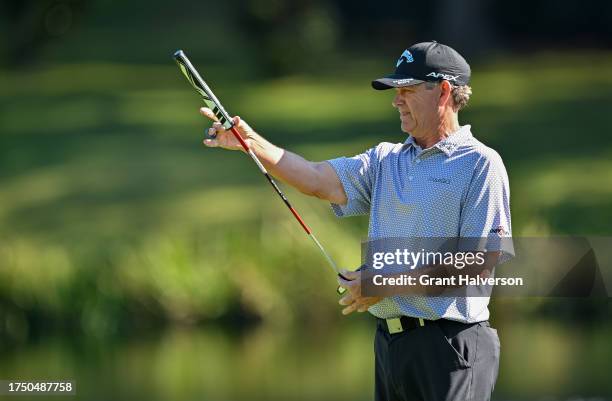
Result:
[[353, 299]]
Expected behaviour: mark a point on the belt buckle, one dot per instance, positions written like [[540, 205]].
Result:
[[394, 325]]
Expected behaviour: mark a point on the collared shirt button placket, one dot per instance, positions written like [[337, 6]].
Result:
[[416, 161]]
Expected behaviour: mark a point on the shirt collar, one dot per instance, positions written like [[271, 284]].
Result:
[[449, 144]]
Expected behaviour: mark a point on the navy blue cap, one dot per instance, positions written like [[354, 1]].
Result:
[[427, 61]]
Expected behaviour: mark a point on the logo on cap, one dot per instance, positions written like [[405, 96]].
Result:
[[406, 56], [448, 77], [402, 81]]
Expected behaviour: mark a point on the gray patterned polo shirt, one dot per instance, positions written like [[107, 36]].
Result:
[[457, 188]]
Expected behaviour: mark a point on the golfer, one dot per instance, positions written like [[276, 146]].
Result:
[[441, 182]]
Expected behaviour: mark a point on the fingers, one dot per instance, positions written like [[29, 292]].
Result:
[[240, 123], [244, 128], [357, 303], [349, 309], [349, 302], [346, 300], [212, 133], [219, 136], [205, 111], [236, 120], [356, 307], [212, 140]]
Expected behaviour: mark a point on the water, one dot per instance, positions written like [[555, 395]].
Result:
[[541, 360]]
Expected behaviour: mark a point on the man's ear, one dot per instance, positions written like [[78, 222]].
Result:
[[445, 92]]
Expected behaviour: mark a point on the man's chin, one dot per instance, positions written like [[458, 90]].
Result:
[[407, 128]]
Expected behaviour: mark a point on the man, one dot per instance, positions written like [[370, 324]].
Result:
[[441, 182]]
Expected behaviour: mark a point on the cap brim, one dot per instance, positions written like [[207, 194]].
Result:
[[394, 81]]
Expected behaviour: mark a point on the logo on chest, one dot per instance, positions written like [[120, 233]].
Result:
[[439, 180]]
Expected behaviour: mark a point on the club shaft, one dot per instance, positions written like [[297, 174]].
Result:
[[223, 116], [280, 193]]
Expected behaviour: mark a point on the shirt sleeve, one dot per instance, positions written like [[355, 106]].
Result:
[[485, 215], [357, 177]]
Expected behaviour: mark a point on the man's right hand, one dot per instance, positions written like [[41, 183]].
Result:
[[222, 138]]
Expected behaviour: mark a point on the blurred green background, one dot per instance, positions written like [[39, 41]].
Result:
[[146, 267]]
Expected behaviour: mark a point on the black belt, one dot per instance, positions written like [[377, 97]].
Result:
[[397, 325]]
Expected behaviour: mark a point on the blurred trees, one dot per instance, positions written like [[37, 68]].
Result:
[[292, 36], [28, 25]]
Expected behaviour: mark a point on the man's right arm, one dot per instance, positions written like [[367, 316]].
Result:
[[311, 178]]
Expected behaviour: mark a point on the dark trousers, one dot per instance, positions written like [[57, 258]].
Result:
[[441, 361]]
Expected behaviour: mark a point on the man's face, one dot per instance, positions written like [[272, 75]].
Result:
[[418, 108]]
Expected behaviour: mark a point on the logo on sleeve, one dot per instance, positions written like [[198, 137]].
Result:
[[499, 231]]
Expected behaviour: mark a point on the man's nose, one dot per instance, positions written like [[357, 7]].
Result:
[[396, 101]]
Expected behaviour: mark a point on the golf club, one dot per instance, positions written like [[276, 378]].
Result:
[[224, 118]]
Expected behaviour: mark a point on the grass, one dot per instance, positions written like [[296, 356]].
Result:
[[110, 201]]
